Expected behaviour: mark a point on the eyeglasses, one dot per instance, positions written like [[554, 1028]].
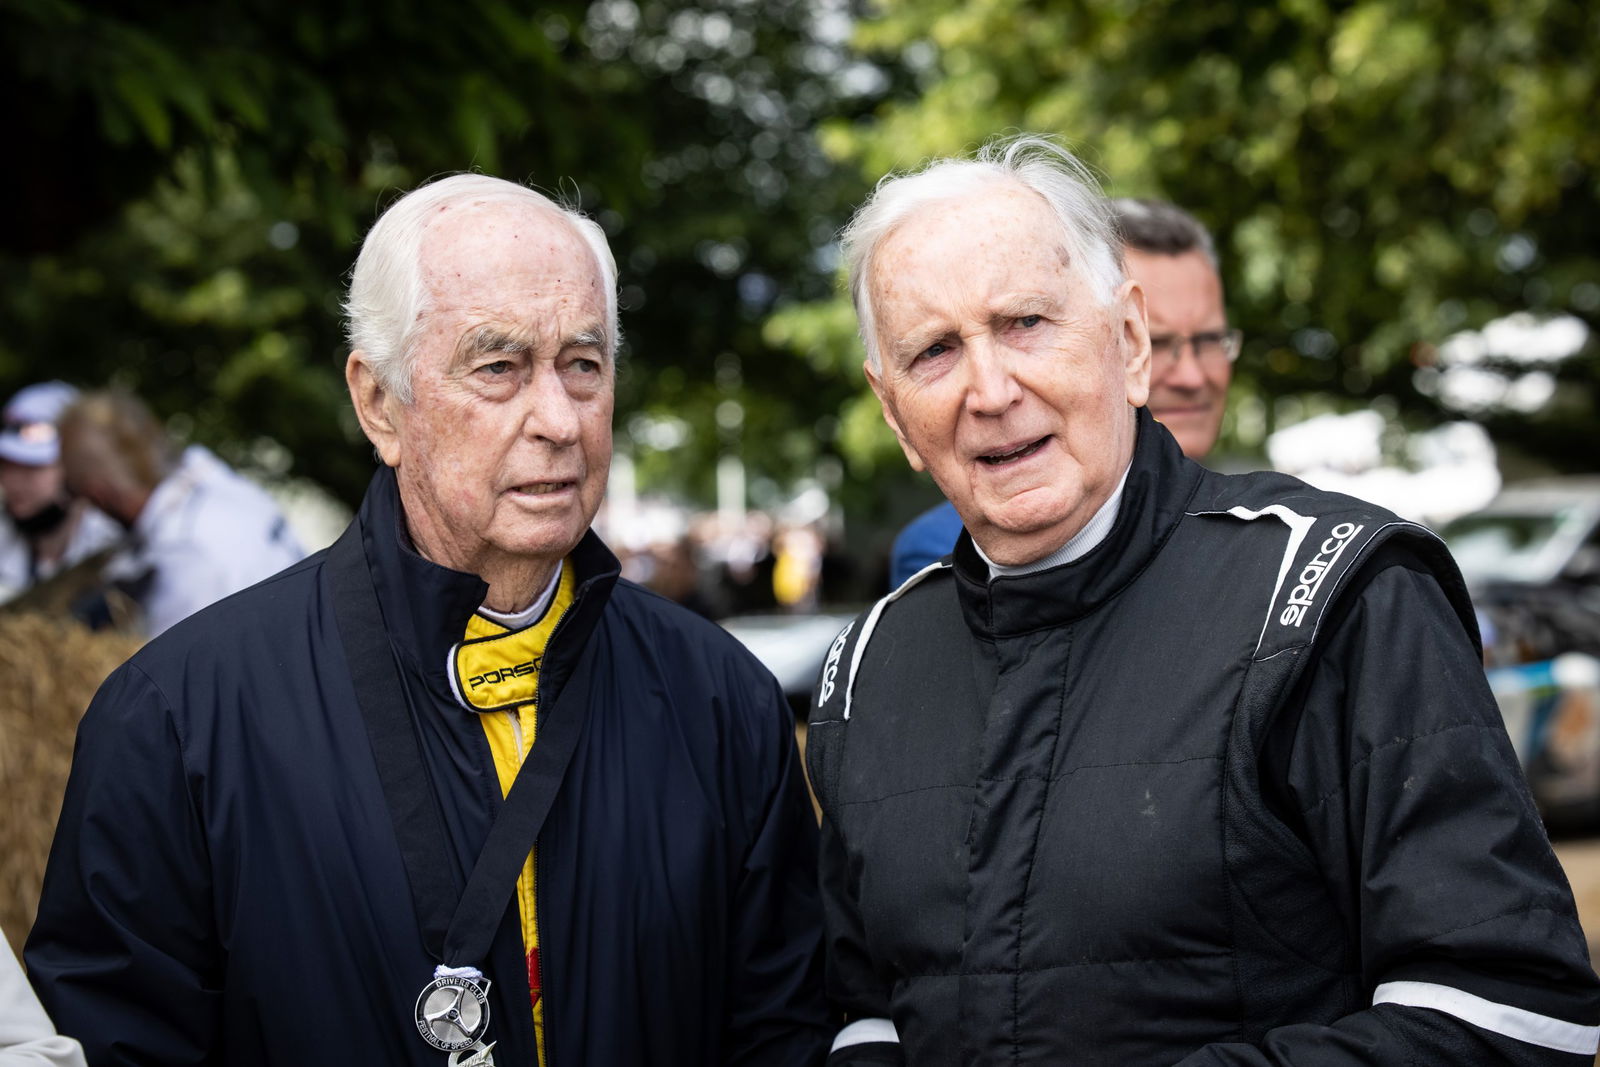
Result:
[[1212, 348]]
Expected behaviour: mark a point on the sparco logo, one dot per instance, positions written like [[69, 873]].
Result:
[[831, 667], [1304, 594]]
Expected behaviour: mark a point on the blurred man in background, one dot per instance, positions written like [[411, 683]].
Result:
[[198, 530], [1192, 349], [48, 529], [1171, 255]]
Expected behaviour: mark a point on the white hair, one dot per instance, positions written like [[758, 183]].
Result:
[[1034, 162], [387, 294]]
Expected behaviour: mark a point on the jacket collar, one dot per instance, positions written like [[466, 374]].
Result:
[[426, 606], [1160, 482]]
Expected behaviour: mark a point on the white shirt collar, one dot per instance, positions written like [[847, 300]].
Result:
[[1078, 545], [516, 620]]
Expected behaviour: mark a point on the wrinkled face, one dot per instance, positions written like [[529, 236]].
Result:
[[1183, 297], [29, 490], [502, 454], [1001, 373]]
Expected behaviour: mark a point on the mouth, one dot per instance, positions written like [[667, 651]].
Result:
[[1011, 455], [541, 488]]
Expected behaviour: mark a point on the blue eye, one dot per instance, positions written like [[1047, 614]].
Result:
[[498, 367], [938, 348], [1028, 322]]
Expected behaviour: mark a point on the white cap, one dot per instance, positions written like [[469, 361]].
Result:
[[28, 435]]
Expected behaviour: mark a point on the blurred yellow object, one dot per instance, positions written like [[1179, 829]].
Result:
[[49, 670], [797, 566]]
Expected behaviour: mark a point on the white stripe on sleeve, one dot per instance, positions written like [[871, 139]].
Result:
[[1502, 1019], [863, 1031]]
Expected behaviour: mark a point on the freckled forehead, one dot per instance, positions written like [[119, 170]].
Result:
[[1003, 237], [476, 252]]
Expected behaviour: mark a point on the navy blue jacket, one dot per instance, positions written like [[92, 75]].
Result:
[[226, 886]]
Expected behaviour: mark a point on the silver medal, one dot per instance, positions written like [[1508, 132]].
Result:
[[452, 1014], [479, 1055]]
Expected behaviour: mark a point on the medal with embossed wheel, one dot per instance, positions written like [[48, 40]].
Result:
[[453, 1012]]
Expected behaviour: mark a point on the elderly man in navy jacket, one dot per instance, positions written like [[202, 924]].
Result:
[[450, 793]]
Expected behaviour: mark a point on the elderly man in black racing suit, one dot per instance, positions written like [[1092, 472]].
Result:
[[1167, 766]]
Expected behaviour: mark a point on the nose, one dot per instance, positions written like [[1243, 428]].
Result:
[[552, 413], [992, 385], [1181, 371]]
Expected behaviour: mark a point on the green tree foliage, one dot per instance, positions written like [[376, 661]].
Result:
[[192, 182], [1380, 174]]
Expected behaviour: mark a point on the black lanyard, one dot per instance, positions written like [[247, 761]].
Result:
[[458, 936]]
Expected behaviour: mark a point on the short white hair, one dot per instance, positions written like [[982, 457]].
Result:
[[387, 294], [1034, 162]]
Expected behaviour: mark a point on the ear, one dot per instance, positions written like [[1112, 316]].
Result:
[[375, 407], [884, 401], [1134, 331]]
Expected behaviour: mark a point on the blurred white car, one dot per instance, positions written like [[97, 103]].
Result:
[[1532, 562], [1532, 533], [792, 647]]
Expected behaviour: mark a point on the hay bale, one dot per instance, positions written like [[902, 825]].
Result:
[[41, 700]]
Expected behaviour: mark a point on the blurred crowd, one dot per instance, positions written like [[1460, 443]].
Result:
[[752, 565]]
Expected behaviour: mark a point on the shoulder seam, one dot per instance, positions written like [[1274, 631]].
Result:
[[167, 706]]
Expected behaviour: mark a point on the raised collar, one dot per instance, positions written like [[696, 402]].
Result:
[[1159, 483], [1079, 544], [426, 606]]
